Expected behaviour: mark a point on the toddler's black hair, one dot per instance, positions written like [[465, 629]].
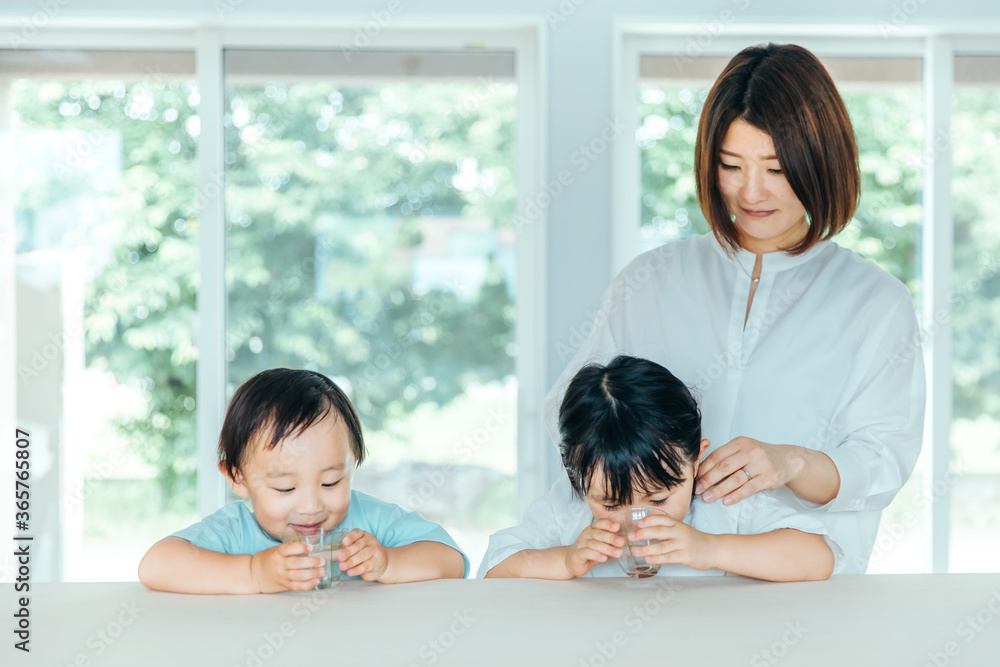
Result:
[[634, 421], [282, 402]]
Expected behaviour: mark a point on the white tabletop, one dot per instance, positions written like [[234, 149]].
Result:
[[850, 620]]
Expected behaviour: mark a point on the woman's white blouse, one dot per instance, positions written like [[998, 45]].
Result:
[[830, 359]]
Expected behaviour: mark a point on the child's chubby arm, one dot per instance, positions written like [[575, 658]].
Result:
[[780, 555], [596, 543], [363, 555], [175, 565]]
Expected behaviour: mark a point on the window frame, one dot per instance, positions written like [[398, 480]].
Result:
[[938, 50]]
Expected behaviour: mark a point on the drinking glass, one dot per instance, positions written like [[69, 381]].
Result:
[[325, 544], [635, 566]]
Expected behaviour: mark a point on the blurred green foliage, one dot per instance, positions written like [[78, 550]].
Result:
[[976, 278], [328, 190], [329, 194]]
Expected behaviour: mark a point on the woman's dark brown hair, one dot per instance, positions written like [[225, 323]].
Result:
[[785, 91]]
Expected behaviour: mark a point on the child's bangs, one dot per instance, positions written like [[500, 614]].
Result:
[[287, 422], [628, 475]]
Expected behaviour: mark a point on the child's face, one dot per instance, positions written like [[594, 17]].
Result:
[[304, 483], [675, 501]]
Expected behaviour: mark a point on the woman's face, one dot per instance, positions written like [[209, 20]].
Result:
[[769, 216]]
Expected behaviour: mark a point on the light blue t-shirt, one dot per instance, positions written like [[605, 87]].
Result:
[[234, 528]]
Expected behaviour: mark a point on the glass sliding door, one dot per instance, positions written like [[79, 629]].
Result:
[[369, 226], [98, 199]]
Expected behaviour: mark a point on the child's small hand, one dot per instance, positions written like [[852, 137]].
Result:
[[285, 568], [679, 542], [598, 542], [363, 555]]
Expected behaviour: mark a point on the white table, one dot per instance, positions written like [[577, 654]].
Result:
[[850, 620]]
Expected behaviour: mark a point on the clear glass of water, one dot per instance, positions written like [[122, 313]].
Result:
[[635, 566], [325, 544]]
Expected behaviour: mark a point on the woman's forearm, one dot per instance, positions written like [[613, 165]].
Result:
[[814, 477], [781, 555], [534, 564], [177, 566]]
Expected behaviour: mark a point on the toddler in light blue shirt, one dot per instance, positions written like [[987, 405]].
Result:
[[290, 442]]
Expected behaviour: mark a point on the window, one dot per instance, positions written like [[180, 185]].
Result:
[[102, 209], [975, 432], [370, 236], [187, 212]]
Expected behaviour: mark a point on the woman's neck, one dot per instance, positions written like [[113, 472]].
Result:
[[786, 240]]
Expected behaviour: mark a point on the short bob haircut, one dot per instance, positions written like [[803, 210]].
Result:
[[785, 91], [281, 403], [632, 420]]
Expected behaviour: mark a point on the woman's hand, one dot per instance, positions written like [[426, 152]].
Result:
[[745, 466], [363, 555], [287, 567], [598, 542], [678, 543]]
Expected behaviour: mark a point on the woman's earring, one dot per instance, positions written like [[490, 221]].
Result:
[[732, 217], [809, 219]]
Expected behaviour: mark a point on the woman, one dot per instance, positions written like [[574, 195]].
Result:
[[805, 356]]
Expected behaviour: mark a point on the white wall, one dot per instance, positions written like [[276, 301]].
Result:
[[578, 53]]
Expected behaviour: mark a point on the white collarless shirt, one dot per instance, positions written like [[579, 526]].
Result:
[[830, 359], [557, 519]]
